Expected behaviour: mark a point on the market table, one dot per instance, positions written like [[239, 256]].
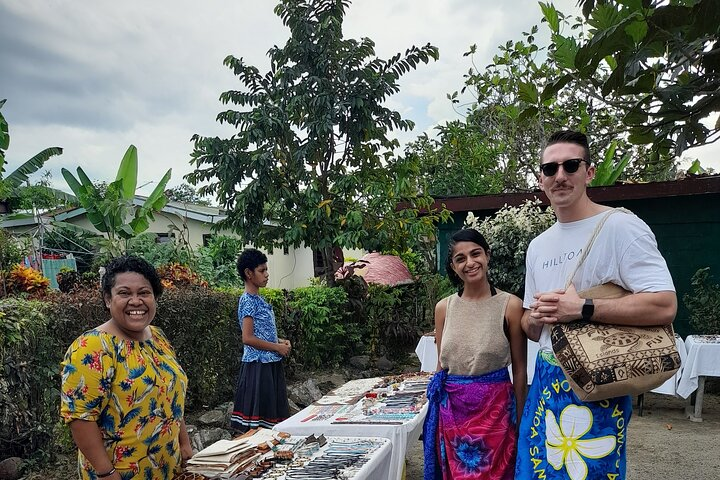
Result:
[[703, 360], [321, 418]]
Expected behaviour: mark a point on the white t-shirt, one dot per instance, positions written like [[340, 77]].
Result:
[[625, 253]]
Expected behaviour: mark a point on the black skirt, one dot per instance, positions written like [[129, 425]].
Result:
[[261, 396]]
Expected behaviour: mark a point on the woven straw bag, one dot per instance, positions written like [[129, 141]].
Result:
[[604, 361]]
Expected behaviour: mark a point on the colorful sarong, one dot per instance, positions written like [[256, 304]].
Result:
[[562, 437], [470, 431]]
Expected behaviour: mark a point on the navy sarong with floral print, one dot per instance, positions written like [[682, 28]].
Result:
[[562, 437], [470, 430]]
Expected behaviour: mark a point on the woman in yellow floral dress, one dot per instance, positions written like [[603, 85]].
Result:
[[123, 390]]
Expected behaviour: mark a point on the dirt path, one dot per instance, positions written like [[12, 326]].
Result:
[[662, 443]]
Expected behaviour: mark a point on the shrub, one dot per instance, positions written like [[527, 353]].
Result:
[[509, 233], [317, 322], [703, 302], [27, 280], [325, 334], [202, 327], [11, 250], [28, 378], [397, 317], [176, 275], [217, 261], [146, 246]]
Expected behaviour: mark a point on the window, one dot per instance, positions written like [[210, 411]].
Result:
[[163, 238], [207, 237]]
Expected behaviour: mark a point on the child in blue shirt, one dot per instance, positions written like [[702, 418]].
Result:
[[261, 394]]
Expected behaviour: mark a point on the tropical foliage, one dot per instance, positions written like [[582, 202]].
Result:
[[658, 61], [113, 211]]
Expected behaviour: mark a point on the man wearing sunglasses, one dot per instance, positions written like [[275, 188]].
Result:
[[560, 436]]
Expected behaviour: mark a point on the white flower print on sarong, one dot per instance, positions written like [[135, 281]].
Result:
[[565, 445]]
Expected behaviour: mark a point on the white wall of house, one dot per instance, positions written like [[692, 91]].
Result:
[[287, 270]]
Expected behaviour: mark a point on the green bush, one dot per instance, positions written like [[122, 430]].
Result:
[[319, 323], [703, 302], [216, 262], [202, 327], [146, 246], [28, 378], [11, 250]]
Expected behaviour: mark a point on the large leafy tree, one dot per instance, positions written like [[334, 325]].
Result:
[[311, 162], [524, 95], [656, 60], [518, 100]]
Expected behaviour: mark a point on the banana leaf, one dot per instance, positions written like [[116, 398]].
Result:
[[128, 173], [20, 174]]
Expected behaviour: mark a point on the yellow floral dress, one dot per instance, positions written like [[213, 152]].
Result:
[[135, 391]]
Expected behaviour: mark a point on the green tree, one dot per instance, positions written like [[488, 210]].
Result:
[[311, 162], [658, 61], [185, 193], [523, 96], [113, 211], [459, 162], [12, 184]]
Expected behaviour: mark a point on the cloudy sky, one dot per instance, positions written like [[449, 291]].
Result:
[[96, 76]]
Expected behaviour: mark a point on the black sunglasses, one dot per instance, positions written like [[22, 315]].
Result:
[[570, 166]]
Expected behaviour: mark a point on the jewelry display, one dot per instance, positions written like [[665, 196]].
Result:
[[314, 457]]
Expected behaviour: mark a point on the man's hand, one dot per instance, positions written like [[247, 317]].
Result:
[[558, 306]]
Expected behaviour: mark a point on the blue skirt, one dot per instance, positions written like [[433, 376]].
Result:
[[563, 437]]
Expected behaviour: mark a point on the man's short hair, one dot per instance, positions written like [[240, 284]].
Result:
[[570, 136]]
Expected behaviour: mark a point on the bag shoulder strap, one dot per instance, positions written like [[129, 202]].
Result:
[[591, 240]]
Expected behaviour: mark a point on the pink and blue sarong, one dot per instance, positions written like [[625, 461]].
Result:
[[562, 437], [470, 431]]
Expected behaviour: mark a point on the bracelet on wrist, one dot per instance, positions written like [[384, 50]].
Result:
[[106, 474]]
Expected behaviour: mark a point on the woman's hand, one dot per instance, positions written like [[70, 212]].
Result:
[[283, 348], [186, 451]]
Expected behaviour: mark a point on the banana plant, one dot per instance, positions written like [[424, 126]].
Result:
[[607, 171], [113, 211], [10, 184]]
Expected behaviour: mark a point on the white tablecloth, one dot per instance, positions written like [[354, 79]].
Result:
[[426, 351], [703, 359], [399, 435], [670, 387]]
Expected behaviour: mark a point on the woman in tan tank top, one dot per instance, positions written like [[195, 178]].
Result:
[[470, 431]]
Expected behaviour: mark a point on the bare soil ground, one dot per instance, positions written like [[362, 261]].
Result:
[[662, 443]]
